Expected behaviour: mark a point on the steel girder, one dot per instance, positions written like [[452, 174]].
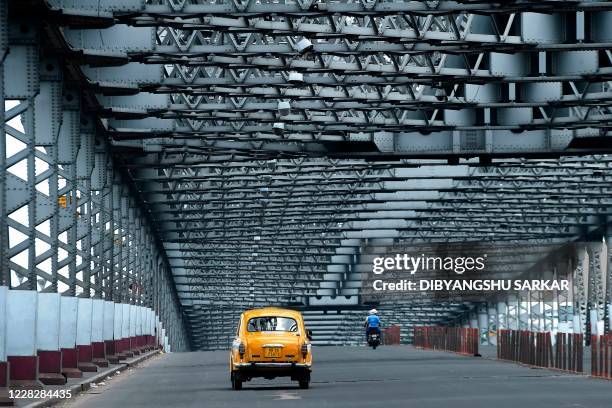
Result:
[[69, 219], [269, 141], [394, 78]]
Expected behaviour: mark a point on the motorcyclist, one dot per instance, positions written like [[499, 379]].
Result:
[[372, 323]]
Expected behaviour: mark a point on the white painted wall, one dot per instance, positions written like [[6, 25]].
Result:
[[84, 311], [48, 321], [159, 331], [21, 323], [118, 324], [133, 317], [109, 320], [68, 321], [31, 321], [125, 324], [97, 320], [139, 313], [151, 322]]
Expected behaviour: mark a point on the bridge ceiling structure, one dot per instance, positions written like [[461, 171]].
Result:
[[268, 141]]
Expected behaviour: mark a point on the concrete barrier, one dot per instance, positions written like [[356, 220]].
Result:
[[68, 337], [48, 339], [109, 331], [153, 329], [125, 331], [133, 310], [84, 342], [115, 354], [21, 311], [98, 349]]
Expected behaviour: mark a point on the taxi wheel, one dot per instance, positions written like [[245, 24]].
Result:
[[236, 382], [304, 381]]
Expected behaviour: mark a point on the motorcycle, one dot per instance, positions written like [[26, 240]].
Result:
[[374, 339]]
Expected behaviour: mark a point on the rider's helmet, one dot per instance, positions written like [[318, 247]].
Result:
[[373, 312]]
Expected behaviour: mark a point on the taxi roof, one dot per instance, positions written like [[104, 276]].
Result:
[[272, 311]]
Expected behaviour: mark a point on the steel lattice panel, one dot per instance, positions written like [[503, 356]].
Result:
[[268, 140]]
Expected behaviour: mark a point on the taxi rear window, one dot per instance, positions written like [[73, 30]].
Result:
[[272, 324]]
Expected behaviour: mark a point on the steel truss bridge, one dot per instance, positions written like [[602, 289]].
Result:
[[203, 157]]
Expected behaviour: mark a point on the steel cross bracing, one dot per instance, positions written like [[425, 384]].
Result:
[[264, 143], [445, 78], [295, 266], [70, 220]]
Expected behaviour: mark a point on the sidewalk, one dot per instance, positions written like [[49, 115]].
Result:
[[77, 385]]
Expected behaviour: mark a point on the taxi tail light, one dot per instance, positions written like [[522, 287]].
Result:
[[304, 349], [241, 349]]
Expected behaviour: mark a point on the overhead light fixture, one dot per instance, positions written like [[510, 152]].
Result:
[[304, 46], [278, 128], [284, 108], [296, 78]]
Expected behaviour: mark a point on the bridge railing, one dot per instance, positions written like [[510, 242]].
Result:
[[601, 356], [455, 339], [537, 349], [391, 335]]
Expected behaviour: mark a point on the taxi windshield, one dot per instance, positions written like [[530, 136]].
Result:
[[272, 324]]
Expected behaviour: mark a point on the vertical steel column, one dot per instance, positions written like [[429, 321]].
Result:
[[536, 310], [49, 127], [4, 262], [54, 222], [130, 253], [502, 314], [483, 322], [68, 145], [21, 82], [608, 279], [513, 312], [523, 311], [120, 241], [84, 169], [72, 199], [115, 272], [97, 183], [596, 286], [151, 267], [29, 126], [492, 322], [108, 228], [141, 259], [555, 302], [580, 279], [157, 293], [547, 306]]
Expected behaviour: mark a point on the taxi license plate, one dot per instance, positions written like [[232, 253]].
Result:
[[272, 352]]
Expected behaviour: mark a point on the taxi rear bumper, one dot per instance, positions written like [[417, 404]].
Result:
[[272, 365], [248, 370]]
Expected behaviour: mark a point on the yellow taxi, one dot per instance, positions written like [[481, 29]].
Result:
[[271, 342]]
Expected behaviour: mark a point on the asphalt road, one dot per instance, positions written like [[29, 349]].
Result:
[[394, 376]]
